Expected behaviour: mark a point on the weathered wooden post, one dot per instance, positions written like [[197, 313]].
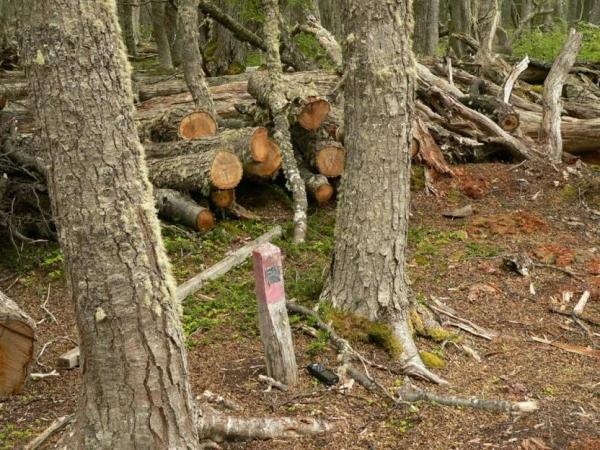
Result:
[[272, 315]]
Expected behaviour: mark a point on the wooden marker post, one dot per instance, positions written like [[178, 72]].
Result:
[[272, 315]]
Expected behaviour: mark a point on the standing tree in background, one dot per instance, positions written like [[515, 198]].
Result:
[[368, 274], [160, 34], [426, 34], [125, 10], [461, 21]]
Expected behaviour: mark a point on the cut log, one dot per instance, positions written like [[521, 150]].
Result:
[[17, 337], [317, 185], [222, 198], [178, 123], [306, 106], [322, 152], [179, 208], [265, 169], [494, 108], [200, 171]]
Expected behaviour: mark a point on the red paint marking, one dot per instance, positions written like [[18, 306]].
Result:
[[268, 274]]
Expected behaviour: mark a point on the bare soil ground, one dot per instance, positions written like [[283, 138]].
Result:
[[530, 210]]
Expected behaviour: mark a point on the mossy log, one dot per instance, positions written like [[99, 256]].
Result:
[[17, 338], [199, 171], [179, 208], [306, 106], [178, 123]]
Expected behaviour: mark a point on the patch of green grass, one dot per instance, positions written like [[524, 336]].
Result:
[[482, 250], [546, 44], [319, 344], [10, 436], [427, 243]]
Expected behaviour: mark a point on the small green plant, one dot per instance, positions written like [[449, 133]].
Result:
[[481, 250]]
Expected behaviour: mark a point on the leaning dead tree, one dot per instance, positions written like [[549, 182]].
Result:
[[129, 319]]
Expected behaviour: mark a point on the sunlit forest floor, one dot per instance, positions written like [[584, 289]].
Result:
[[531, 210]]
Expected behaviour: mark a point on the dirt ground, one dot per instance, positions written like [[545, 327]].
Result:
[[528, 210]]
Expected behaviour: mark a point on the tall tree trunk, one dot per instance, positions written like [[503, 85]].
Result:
[[125, 10], [135, 391], [159, 32], [174, 34], [487, 23], [192, 59], [526, 10], [426, 35], [368, 274], [331, 17], [594, 15], [460, 22]]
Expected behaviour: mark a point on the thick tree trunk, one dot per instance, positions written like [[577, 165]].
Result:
[[487, 23], [550, 134], [368, 274], [278, 105], [174, 34], [17, 338], [135, 388], [426, 35], [159, 32], [192, 59], [525, 12], [594, 15], [125, 9]]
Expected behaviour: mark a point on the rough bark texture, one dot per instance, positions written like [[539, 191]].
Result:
[[179, 208], [550, 133], [159, 32], [192, 59], [488, 20], [278, 106], [460, 22], [135, 390], [368, 269], [426, 34], [17, 336]]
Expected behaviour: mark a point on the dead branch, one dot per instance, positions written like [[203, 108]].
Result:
[[55, 426]]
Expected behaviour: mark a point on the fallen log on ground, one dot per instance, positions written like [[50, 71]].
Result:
[[494, 108], [17, 338], [179, 208], [178, 123], [317, 185], [222, 198], [199, 172]]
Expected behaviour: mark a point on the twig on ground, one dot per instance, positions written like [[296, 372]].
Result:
[[575, 275], [217, 399], [46, 310], [461, 323], [55, 426], [41, 376], [271, 383], [47, 344]]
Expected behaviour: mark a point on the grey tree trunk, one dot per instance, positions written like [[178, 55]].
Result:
[[426, 35], [125, 10], [594, 15], [174, 35], [331, 17], [460, 22], [135, 390], [526, 10], [159, 32], [187, 23], [488, 15], [368, 274]]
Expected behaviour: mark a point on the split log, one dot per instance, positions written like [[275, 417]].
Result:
[[17, 337], [178, 123], [317, 185], [179, 208], [306, 106], [550, 134], [500, 112], [427, 150], [200, 171], [222, 198]]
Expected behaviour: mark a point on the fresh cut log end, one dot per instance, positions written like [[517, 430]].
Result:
[[323, 193], [509, 122], [313, 113], [226, 170], [196, 125], [261, 145], [223, 198], [330, 160], [268, 167], [205, 220]]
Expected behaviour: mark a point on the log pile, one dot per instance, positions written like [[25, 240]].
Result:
[[196, 161]]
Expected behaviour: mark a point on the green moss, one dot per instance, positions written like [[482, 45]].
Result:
[[432, 361], [440, 334], [482, 250], [569, 192], [381, 334], [417, 177]]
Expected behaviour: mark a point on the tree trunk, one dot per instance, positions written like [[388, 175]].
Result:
[[368, 275], [594, 15], [460, 22], [125, 9], [487, 23], [278, 104], [526, 10], [550, 135], [17, 337], [159, 32], [329, 10], [426, 35], [135, 389], [192, 59], [174, 34]]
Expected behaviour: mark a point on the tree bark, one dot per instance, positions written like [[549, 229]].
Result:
[[17, 338], [192, 59], [179, 122], [488, 20], [159, 32], [550, 133], [460, 22], [135, 389], [426, 35], [125, 10], [368, 275], [278, 104]]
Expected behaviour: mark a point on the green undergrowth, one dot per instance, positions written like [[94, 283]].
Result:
[[11, 436]]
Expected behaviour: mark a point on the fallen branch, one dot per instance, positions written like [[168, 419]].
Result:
[[509, 84], [578, 310], [217, 399], [272, 383], [584, 351], [461, 323], [55, 426]]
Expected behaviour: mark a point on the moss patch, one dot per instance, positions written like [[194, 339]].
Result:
[[432, 361]]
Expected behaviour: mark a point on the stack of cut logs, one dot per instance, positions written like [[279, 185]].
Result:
[[459, 118]]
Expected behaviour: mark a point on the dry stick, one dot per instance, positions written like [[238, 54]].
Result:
[[578, 310], [211, 397], [278, 106], [464, 324], [450, 72], [510, 81], [272, 383], [324, 38], [570, 315], [572, 274], [235, 259], [550, 133], [55, 426]]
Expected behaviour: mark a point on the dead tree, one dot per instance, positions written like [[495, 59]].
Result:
[[550, 132]]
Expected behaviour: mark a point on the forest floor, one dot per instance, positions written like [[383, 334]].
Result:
[[530, 210]]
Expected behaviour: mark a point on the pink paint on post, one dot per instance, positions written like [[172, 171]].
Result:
[[268, 273]]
